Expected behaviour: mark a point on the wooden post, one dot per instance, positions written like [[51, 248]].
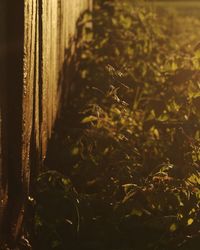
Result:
[[17, 180], [36, 34], [3, 172]]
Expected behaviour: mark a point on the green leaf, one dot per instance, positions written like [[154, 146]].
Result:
[[190, 221], [129, 187], [75, 151], [89, 119], [173, 227], [137, 212]]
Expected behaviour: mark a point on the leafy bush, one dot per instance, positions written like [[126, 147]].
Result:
[[57, 212], [135, 159]]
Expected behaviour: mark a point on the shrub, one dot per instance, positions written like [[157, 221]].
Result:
[[135, 160]]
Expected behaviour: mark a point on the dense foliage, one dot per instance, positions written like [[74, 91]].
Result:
[[133, 150]]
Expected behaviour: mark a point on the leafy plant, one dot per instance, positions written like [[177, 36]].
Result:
[[57, 211], [135, 152]]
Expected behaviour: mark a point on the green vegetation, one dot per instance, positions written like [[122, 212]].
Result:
[[187, 8], [129, 143]]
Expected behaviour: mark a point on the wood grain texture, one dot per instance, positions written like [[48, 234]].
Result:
[[39, 33]]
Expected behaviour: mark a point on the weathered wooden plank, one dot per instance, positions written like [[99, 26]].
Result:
[[30, 94], [3, 172], [14, 99], [58, 28], [28, 83]]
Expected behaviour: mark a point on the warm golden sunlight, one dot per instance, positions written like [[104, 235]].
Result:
[[99, 125]]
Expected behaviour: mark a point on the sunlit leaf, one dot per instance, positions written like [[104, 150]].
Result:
[[173, 227], [89, 119], [190, 221]]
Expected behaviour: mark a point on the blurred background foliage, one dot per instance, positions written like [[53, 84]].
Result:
[[123, 165]]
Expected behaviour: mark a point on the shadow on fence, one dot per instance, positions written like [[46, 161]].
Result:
[[69, 89]]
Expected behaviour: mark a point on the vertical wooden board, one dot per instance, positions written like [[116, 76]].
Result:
[[71, 20], [77, 11], [67, 22], [34, 99], [81, 3], [58, 54], [59, 19], [51, 65], [53, 81], [62, 43], [58, 41], [1, 171], [55, 52], [2, 92], [73, 17], [17, 183], [3, 50], [36, 84], [44, 78], [1, 151], [29, 81], [35, 139], [48, 63]]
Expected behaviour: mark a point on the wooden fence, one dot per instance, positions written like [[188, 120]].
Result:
[[32, 53]]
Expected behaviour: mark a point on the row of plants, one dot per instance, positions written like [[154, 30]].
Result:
[[128, 147]]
